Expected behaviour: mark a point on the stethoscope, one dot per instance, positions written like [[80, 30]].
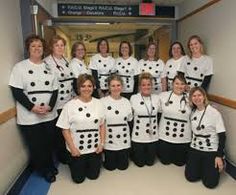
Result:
[[182, 105], [60, 68], [149, 112], [199, 126]]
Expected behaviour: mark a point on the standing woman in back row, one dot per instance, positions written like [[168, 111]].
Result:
[[60, 65], [128, 69], [197, 68], [102, 65], [154, 65], [176, 54]]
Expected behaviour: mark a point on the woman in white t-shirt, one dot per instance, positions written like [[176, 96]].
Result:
[[82, 121], [145, 137], [118, 115], [154, 65], [176, 54], [102, 66], [197, 68], [34, 87], [128, 69], [205, 161]]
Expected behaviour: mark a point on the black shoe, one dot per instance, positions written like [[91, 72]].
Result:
[[50, 177]]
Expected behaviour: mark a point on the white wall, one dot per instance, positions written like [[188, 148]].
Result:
[[216, 26], [12, 153]]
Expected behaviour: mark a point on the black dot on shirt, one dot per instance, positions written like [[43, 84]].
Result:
[[32, 84], [96, 121], [81, 147], [154, 127], [154, 121], [34, 99], [207, 140], [145, 64], [147, 125], [62, 74], [110, 130], [99, 61], [124, 129], [47, 82], [88, 115], [137, 127], [208, 144], [95, 145], [174, 135], [200, 143], [156, 71], [195, 68], [89, 135], [195, 118], [188, 63], [170, 102], [195, 84], [42, 104], [136, 133], [110, 136], [202, 126], [201, 148], [123, 67], [150, 67], [201, 75], [125, 141], [189, 83], [128, 86], [105, 85], [96, 135], [157, 64], [119, 63], [117, 112], [128, 63], [62, 92], [96, 140], [142, 103], [45, 72], [147, 130], [170, 66], [67, 91], [31, 72], [71, 73], [127, 71], [125, 118], [182, 130], [81, 142], [168, 122], [80, 109], [110, 142], [89, 146], [167, 133], [137, 121], [143, 70], [168, 72], [81, 136], [167, 128], [89, 141], [181, 135], [175, 124], [125, 135], [104, 65], [62, 85], [175, 129], [182, 125], [109, 108], [154, 133], [118, 136], [195, 139], [81, 65]]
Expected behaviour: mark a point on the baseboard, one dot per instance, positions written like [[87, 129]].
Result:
[[230, 169], [20, 182]]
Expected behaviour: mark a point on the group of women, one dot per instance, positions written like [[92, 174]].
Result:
[[111, 106]]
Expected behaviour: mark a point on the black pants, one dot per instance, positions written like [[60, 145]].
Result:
[[116, 159], [60, 146], [40, 140], [144, 153], [86, 165], [201, 166], [172, 153]]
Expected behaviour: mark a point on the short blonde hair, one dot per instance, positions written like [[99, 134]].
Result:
[[145, 75]]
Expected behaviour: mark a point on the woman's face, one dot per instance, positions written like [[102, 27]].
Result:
[[195, 46], [151, 51], [58, 48], [124, 49], [115, 88], [198, 98], [176, 51], [80, 52], [146, 87], [36, 49], [178, 86], [103, 47], [86, 89]]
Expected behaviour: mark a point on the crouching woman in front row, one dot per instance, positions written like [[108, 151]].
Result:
[[82, 121], [205, 156]]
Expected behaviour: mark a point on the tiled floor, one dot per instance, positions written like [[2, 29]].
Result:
[[155, 180]]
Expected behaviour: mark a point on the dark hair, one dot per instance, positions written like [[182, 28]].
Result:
[[156, 57], [181, 47], [198, 39], [74, 48], [54, 40], [83, 78], [145, 75], [99, 43], [129, 45], [32, 38], [180, 77], [202, 91]]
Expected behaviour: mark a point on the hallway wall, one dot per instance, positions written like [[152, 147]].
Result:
[[216, 26], [13, 154]]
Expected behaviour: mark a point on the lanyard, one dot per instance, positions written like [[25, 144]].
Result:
[[199, 126], [57, 65]]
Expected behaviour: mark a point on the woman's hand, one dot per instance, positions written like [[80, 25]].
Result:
[[219, 163], [99, 148], [74, 152]]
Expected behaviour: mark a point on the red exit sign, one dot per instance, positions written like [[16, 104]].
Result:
[[147, 9]]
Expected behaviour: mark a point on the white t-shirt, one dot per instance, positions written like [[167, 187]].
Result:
[[104, 67], [145, 129], [171, 68], [83, 120], [205, 138], [118, 113], [79, 67], [65, 78], [127, 69], [174, 123], [196, 69], [156, 69], [38, 82]]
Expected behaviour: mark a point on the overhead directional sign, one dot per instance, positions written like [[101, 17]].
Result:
[[111, 10]]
